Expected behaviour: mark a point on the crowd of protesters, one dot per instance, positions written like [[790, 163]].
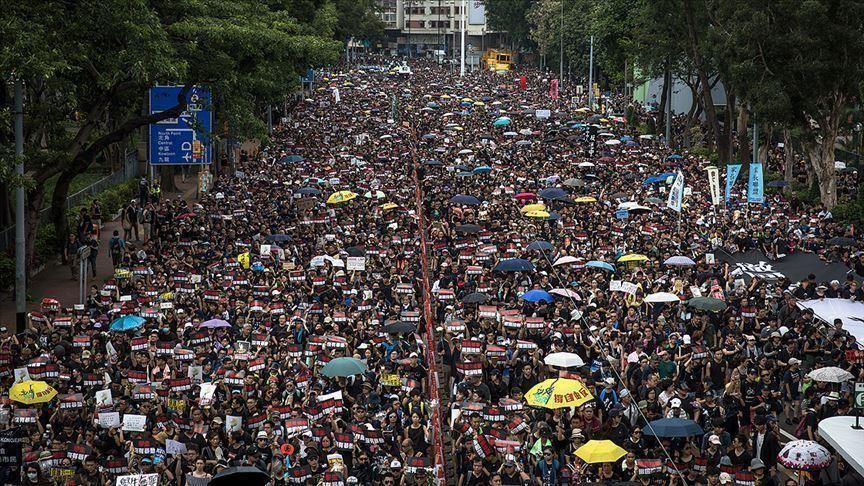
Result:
[[247, 292]]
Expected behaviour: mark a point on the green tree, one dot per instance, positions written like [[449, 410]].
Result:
[[87, 66], [358, 19], [509, 16]]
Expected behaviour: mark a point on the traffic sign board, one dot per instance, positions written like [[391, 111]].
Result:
[[859, 395], [185, 139]]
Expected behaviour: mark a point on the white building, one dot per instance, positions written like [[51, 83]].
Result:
[[432, 28]]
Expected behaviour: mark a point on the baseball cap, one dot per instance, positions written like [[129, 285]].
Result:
[[262, 435], [725, 478], [794, 361], [757, 463], [675, 403], [714, 439], [395, 464]]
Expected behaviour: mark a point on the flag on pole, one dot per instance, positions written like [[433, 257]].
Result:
[[676, 193], [553, 89], [755, 185], [732, 171]]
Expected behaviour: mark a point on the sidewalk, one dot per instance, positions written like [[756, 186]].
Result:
[[55, 279]]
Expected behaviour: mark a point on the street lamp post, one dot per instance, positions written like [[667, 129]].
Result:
[[20, 247], [462, 53], [561, 48], [591, 75]]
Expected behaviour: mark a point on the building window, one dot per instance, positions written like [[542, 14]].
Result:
[[440, 24], [440, 10], [415, 10], [414, 24]]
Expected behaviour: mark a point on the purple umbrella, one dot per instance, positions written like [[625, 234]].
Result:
[[214, 323]]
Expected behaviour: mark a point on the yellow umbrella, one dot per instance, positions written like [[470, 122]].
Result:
[[604, 120], [558, 393], [388, 206], [537, 214], [597, 451], [582, 110], [445, 97], [467, 100], [585, 199], [633, 257], [341, 197], [30, 392], [532, 207], [479, 103]]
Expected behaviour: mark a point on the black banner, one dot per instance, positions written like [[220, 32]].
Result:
[[795, 267]]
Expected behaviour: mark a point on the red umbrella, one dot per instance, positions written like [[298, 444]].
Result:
[[607, 159], [525, 196], [186, 216]]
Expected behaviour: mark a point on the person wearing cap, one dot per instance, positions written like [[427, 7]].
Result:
[[714, 452], [765, 443], [725, 478], [511, 473]]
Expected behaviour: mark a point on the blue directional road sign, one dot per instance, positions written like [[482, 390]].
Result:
[[185, 139]]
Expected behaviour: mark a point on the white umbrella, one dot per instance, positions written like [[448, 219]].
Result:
[[662, 297], [585, 164], [679, 261], [839, 165], [605, 134], [565, 260], [804, 455], [566, 293], [375, 195], [613, 142], [564, 360], [831, 374], [466, 152], [646, 137], [510, 134], [525, 131]]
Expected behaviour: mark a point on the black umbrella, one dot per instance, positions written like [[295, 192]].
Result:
[[468, 228], [399, 327], [245, 475], [355, 251], [475, 298], [842, 241]]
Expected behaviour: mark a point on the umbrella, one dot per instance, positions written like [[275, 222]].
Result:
[[830, 374], [278, 238], [679, 261], [344, 367], [585, 199], [675, 427], [355, 251], [525, 196], [214, 324], [468, 228], [805, 455], [290, 159], [245, 475], [540, 245], [841, 241], [600, 265], [597, 451], [308, 191], [613, 142], [558, 393], [536, 214], [501, 122], [186, 216], [374, 195], [510, 134], [127, 323], [655, 200], [660, 297], [674, 157], [585, 165], [341, 197], [566, 293], [514, 265], [483, 169], [30, 392], [429, 136], [565, 260], [572, 182], [389, 206], [475, 298], [564, 360], [537, 295], [532, 207], [632, 257], [464, 200], [553, 193], [707, 304], [434, 163], [399, 327]]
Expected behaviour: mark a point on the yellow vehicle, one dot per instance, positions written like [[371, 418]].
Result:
[[498, 60]]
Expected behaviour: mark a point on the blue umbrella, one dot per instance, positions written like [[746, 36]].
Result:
[[465, 173], [514, 265], [674, 157], [429, 136], [626, 138], [433, 163], [308, 191], [278, 238], [553, 216], [658, 178], [344, 367], [631, 143], [501, 122], [483, 169], [675, 427], [433, 105], [537, 296], [540, 245], [290, 159], [127, 323], [600, 265], [553, 193], [464, 200], [214, 323], [777, 184]]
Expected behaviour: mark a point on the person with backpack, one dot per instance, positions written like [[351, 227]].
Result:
[[116, 245]]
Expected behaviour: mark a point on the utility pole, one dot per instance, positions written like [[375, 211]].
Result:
[[591, 75], [669, 114], [270, 119], [462, 54], [755, 142], [408, 41], [561, 49], [20, 246]]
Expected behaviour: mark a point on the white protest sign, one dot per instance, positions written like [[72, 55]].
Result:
[[134, 423], [629, 287], [104, 399], [21, 374], [264, 250], [233, 423], [205, 396], [709, 258], [695, 291], [138, 480], [615, 286], [109, 419], [317, 261], [196, 373], [356, 263], [174, 447], [542, 114]]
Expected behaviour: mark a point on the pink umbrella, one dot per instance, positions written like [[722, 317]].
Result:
[[524, 196]]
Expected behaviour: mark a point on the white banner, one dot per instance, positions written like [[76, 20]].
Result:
[[676, 193], [714, 184]]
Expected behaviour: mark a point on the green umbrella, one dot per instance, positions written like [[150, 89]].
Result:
[[344, 367], [707, 304]]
